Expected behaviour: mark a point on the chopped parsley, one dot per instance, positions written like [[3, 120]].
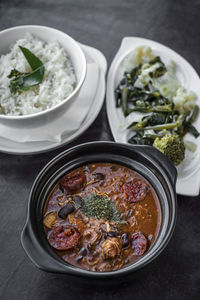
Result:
[[101, 207]]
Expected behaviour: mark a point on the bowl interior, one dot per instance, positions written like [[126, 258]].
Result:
[[104, 153], [9, 36]]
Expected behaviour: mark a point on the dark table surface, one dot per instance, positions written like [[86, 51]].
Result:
[[101, 24]]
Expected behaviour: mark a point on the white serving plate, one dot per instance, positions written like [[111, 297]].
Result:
[[12, 147], [188, 182]]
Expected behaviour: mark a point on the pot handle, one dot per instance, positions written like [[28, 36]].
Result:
[[161, 160], [37, 254]]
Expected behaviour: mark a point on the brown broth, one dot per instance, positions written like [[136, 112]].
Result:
[[143, 216]]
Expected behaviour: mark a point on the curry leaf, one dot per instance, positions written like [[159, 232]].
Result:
[[33, 60], [23, 81]]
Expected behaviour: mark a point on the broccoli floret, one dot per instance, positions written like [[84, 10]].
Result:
[[172, 146]]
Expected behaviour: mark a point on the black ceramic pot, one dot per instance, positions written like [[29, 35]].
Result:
[[147, 161]]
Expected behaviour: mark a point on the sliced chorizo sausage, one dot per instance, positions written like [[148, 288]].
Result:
[[139, 243], [135, 191], [64, 237], [73, 183]]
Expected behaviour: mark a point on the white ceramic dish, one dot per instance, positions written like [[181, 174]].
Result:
[[9, 146], [188, 182], [76, 55]]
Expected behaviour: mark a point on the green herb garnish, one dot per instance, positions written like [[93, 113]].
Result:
[[101, 207], [23, 81]]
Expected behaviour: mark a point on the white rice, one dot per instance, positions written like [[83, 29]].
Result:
[[58, 83]]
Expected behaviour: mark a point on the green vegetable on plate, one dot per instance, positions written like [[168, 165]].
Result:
[[172, 146], [165, 119]]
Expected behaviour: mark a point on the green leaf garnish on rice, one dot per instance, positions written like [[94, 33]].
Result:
[[23, 81]]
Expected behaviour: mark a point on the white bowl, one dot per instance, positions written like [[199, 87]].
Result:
[[76, 55]]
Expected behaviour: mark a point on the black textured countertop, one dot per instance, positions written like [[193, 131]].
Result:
[[102, 24]]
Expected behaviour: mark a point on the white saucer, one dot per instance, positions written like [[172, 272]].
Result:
[[12, 147], [188, 182]]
